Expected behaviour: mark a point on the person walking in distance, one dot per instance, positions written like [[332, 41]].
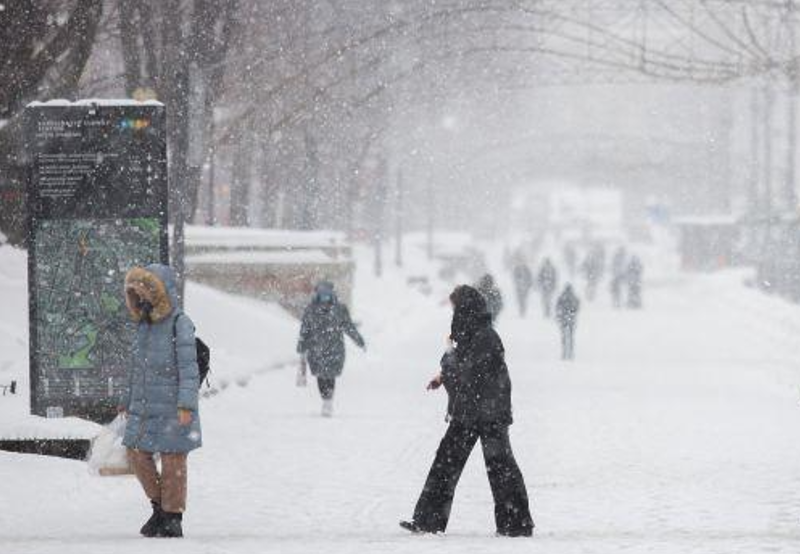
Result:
[[618, 276], [162, 396], [325, 322], [592, 269], [475, 376], [548, 281], [523, 282], [488, 288], [567, 308], [634, 278]]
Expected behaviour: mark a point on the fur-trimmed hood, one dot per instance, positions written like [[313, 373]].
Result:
[[155, 284]]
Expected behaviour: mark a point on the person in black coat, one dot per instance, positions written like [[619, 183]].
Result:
[[325, 322], [567, 308], [475, 375]]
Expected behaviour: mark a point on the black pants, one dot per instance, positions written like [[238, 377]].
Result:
[[567, 342], [511, 511], [326, 387]]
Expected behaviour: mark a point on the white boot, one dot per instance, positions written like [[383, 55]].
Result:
[[327, 408]]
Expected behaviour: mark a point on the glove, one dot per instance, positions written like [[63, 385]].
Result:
[[435, 383]]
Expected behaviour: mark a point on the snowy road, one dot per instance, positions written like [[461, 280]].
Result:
[[675, 431]]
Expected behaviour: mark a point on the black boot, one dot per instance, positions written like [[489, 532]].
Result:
[[517, 532], [171, 526], [416, 528], [150, 529]]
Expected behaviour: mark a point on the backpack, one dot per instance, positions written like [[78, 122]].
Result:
[[203, 354]]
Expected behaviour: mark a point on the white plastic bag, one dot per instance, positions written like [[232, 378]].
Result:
[[302, 380], [108, 456]]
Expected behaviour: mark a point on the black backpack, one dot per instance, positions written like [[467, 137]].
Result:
[[203, 354]]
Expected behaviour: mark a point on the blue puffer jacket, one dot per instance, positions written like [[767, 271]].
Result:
[[165, 375]]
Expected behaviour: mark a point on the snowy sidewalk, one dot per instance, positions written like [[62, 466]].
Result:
[[675, 431]]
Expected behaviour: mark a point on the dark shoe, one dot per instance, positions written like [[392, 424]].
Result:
[[171, 526], [414, 527], [150, 529], [521, 532]]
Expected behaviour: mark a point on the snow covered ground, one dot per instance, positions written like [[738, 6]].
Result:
[[675, 431]]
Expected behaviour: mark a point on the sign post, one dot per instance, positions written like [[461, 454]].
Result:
[[97, 206]]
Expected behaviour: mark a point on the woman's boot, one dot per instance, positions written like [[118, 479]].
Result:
[[171, 526], [150, 529]]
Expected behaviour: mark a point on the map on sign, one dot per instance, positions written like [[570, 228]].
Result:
[[82, 320]]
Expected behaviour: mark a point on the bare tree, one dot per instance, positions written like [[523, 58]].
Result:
[[45, 47], [177, 48]]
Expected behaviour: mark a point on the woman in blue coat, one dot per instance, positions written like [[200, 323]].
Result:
[[162, 399]]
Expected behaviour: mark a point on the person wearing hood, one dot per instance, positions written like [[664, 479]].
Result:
[[162, 396], [325, 322], [491, 293], [475, 376], [567, 308]]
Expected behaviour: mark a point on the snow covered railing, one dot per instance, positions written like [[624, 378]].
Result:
[[201, 240], [274, 265]]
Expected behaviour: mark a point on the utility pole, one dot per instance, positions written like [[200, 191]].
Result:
[[399, 215], [431, 217], [379, 200], [212, 176], [753, 190], [725, 171], [769, 97], [790, 195]]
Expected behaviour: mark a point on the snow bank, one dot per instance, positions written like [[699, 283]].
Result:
[[246, 337]]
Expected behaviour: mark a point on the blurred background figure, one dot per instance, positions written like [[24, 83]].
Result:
[[548, 281], [570, 259], [523, 282], [618, 276], [491, 293], [592, 271], [634, 274], [325, 322], [567, 309]]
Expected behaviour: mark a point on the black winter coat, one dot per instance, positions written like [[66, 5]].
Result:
[[476, 378], [322, 337]]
